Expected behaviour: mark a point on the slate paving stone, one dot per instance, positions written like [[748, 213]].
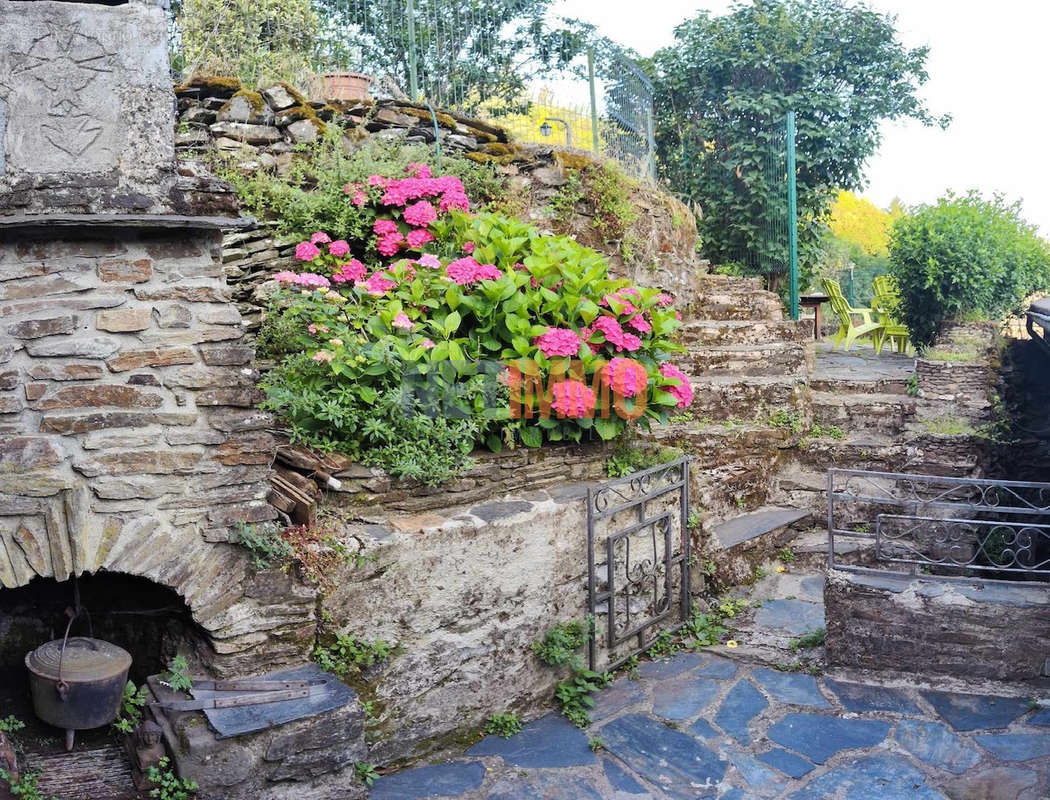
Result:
[[551, 741], [619, 779], [1040, 718], [974, 712], [935, 744], [1016, 746], [790, 687], [791, 765], [860, 698], [997, 783], [440, 780], [556, 786], [670, 759], [819, 737], [621, 694], [671, 667], [715, 667], [684, 698], [733, 794], [704, 730], [870, 778], [740, 706], [761, 780], [793, 616], [812, 588]]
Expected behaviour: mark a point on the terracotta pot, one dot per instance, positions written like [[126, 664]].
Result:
[[346, 85]]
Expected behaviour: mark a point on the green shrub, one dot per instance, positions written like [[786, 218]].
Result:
[[348, 655], [496, 334], [964, 255], [504, 724]]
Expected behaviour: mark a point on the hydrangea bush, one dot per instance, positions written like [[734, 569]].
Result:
[[511, 335]]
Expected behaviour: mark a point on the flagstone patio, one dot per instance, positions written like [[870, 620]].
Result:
[[699, 725]]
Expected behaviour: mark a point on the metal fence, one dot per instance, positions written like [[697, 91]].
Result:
[[950, 528], [548, 80]]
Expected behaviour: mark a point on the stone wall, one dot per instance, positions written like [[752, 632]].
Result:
[[129, 439], [889, 622]]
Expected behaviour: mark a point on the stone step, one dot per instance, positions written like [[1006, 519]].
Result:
[[712, 281], [821, 382], [854, 412], [756, 524], [769, 358], [875, 452], [731, 305], [710, 332], [721, 397]]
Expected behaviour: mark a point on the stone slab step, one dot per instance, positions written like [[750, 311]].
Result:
[[766, 358], [719, 397], [708, 332], [723, 305], [714, 280], [854, 412], [758, 523], [852, 385], [871, 451]]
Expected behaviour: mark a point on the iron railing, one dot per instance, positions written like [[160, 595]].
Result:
[[638, 556], [951, 528]]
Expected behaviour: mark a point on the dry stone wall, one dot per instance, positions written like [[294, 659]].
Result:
[[129, 438]]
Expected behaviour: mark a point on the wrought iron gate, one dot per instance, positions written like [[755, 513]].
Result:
[[647, 511]]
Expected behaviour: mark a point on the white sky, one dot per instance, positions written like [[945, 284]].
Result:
[[989, 66]]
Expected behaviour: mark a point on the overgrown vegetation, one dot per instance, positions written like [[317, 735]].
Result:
[[265, 544], [559, 648], [11, 724], [178, 677], [347, 656], [809, 640], [366, 772], [627, 459], [26, 788], [504, 724], [131, 705], [964, 256], [606, 190], [166, 785]]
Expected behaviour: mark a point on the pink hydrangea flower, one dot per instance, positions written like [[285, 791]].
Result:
[[429, 260], [683, 392], [402, 321], [359, 198], [468, 247], [350, 272], [306, 251], [338, 248], [631, 342], [625, 376], [389, 245], [419, 237], [417, 170], [558, 342], [664, 299], [384, 227], [377, 181], [322, 355], [426, 344], [610, 328], [378, 284], [621, 300], [306, 279], [467, 270], [573, 399], [320, 238], [454, 200], [285, 276], [420, 214], [640, 324]]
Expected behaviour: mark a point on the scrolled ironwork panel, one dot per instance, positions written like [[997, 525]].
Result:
[[638, 554]]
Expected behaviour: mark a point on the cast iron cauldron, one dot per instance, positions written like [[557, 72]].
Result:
[[77, 683]]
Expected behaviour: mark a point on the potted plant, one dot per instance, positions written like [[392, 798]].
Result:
[[346, 85]]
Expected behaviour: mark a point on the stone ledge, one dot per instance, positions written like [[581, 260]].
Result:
[[112, 221]]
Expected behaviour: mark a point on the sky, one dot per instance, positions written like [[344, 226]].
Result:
[[988, 67]]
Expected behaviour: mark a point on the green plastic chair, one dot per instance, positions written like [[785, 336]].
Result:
[[849, 329], [884, 304]]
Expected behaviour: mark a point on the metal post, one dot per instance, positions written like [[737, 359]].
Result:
[[413, 72], [792, 215], [594, 101]]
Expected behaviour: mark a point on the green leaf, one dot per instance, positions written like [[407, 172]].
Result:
[[608, 428], [452, 323], [531, 437]]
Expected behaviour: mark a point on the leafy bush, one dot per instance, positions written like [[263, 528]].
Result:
[[166, 785], [348, 655], [504, 724], [449, 329], [964, 256], [311, 196], [265, 543]]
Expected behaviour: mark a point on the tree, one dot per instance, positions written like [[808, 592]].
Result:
[[964, 256], [465, 51], [728, 80]]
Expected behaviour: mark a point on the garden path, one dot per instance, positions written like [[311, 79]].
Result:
[[705, 724]]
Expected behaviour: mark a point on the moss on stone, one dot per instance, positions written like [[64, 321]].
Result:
[[221, 85], [296, 113], [569, 159], [255, 100], [499, 149], [298, 96], [444, 120]]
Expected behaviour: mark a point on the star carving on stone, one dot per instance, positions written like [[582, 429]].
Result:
[[65, 61]]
